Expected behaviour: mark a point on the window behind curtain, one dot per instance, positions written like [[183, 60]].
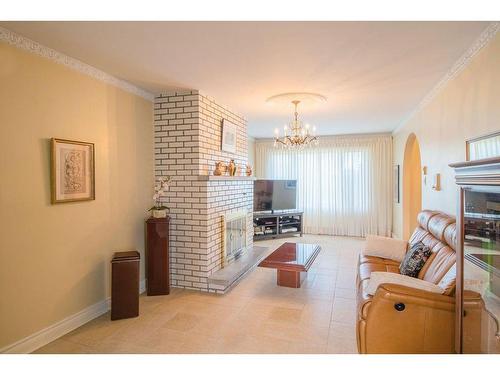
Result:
[[344, 188]]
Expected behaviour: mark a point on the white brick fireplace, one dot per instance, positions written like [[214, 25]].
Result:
[[188, 127]]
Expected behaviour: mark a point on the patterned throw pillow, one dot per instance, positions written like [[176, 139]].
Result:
[[415, 259]]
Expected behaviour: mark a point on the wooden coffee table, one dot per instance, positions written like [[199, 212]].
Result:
[[292, 261]]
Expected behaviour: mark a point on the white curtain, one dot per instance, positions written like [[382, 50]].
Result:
[[344, 185]]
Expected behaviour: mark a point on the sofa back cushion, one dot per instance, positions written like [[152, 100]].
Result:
[[438, 265], [437, 225], [437, 231], [448, 282]]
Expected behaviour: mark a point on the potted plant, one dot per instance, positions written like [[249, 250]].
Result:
[[161, 187]]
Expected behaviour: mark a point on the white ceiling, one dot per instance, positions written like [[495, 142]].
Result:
[[373, 73]]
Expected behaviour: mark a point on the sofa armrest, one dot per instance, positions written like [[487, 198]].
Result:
[[404, 294], [401, 319]]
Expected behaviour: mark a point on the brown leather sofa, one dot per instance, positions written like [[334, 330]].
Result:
[[399, 319]]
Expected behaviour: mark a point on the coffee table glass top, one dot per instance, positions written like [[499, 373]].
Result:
[[293, 254]]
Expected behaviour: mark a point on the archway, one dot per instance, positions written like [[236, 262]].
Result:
[[412, 185]]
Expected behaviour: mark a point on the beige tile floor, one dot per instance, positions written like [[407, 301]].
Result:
[[256, 316]]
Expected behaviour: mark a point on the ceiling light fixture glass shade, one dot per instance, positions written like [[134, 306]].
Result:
[[296, 135]]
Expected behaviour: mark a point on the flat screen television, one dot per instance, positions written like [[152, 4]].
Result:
[[274, 195]]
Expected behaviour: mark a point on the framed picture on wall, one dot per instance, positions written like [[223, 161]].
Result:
[[228, 137], [72, 171], [396, 184]]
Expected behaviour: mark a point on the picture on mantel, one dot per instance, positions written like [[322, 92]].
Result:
[[228, 136]]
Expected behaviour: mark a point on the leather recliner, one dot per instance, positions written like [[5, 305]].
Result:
[[399, 319]]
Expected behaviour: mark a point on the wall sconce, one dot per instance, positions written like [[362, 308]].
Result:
[[424, 173], [436, 182]]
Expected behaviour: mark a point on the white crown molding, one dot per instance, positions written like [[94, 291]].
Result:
[[486, 36], [43, 337], [26, 44]]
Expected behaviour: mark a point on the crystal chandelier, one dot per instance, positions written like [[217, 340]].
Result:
[[296, 135]]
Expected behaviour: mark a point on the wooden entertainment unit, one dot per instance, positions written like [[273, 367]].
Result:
[[267, 225]]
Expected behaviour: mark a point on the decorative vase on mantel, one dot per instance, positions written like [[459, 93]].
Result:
[[231, 168], [219, 168]]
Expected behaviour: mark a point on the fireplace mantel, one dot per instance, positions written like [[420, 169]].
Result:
[[226, 178]]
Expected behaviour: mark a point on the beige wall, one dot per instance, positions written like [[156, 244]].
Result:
[[468, 106], [55, 258], [251, 153]]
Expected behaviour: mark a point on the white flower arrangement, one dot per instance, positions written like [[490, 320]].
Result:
[[162, 185]]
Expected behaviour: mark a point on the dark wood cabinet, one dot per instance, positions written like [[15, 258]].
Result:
[[157, 256]]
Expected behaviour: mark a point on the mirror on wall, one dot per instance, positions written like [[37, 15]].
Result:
[[487, 146]]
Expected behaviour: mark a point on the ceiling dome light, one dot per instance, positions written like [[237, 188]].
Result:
[[302, 97]]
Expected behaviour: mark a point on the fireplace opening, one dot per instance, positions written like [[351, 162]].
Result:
[[234, 236]]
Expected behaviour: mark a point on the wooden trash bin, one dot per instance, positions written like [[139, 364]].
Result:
[[125, 285]]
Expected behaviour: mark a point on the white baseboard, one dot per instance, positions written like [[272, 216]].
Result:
[[53, 332], [43, 337]]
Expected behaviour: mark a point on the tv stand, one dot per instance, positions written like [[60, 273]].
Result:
[[276, 224]]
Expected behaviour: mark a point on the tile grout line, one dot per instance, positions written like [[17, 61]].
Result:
[[333, 300]]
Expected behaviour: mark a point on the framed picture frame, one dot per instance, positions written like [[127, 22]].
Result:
[[72, 171], [396, 184], [228, 137]]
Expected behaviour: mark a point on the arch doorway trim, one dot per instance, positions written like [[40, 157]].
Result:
[[412, 185]]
